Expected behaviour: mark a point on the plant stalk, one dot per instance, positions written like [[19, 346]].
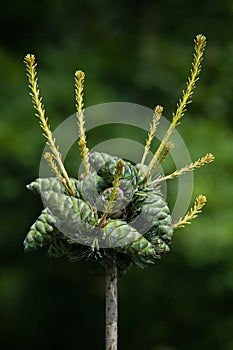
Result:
[[111, 306]]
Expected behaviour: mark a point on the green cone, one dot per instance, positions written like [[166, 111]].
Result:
[[105, 165], [156, 212], [41, 232], [53, 184], [149, 211], [123, 238], [75, 218]]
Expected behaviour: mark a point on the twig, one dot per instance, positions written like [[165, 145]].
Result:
[[49, 157], [208, 158], [115, 183], [199, 204], [84, 151], [168, 147], [38, 105], [200, 43], [155, 121]]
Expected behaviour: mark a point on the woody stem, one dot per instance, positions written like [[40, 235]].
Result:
[[111, 306]]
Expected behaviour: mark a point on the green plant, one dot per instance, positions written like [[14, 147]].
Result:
[[114, 213]]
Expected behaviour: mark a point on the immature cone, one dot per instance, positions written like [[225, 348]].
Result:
[[105, 166], [155, 214], [41, 232], [74, 216], [137, 227], [125, 239], [52, 184]]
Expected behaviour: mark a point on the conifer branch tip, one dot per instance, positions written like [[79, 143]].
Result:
[[192, 214], [84, 151], [30, 62], [199, 48]]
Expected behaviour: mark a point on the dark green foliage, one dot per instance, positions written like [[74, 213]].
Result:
[[137, 229], [63, 247]]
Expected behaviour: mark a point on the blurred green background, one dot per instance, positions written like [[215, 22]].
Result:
[[131, 51]]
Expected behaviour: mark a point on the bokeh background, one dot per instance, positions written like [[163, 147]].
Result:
[[131, 51]]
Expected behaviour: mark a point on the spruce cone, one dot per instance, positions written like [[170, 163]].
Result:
[[125, 239], [105, 166], [74, 217], [41, 232], [149, 211], [52, 184]]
